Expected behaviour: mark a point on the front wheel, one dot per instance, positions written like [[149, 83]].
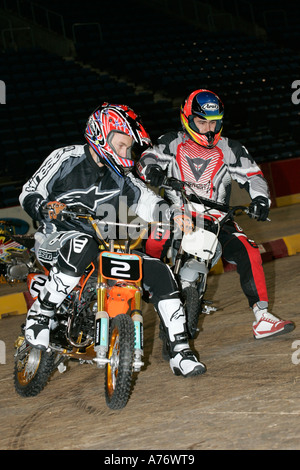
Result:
[[32, 370], [118, 373]]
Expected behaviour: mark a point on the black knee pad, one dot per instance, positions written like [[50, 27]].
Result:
[[77, 253]]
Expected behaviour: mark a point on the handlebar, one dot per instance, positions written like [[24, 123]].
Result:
[[171, 183], [79, 213]]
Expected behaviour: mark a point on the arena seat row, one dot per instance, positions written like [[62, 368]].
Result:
[[50, 98], [49, 111]]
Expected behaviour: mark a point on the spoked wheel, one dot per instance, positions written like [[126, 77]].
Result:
[[119, 370], [192, 305], [33, 368]]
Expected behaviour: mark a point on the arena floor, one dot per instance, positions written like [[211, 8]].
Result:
[[247, 400]]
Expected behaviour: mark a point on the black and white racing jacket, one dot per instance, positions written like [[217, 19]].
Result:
[[70, 175], [210, 171]]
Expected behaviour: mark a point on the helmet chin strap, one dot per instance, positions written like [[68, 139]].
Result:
[[98, 158]]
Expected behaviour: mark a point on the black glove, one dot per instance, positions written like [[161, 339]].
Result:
[[156, 175], [175, 184], [259, 208], [40, 211]]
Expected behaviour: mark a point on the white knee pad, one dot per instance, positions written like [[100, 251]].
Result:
[[173, 316], [58, 286]]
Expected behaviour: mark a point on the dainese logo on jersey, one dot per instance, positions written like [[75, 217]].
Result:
[[198, 166]]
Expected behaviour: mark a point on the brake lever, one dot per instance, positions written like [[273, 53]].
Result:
[[253, 216]]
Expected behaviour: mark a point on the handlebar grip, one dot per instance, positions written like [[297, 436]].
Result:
[[172, 183], [209, 203]]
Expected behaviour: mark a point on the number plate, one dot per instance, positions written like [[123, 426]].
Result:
[[121, 266]]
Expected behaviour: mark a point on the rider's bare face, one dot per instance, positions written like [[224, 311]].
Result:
[[204, 126], [121, 143]]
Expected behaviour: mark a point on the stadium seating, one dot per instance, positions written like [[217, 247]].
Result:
[[150, 61]]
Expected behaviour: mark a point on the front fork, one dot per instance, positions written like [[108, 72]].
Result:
[[102, 320], [137, 319]]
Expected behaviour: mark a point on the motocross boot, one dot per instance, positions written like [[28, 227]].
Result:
[[181, 358], [40, 315], [267, 325], [165, 342], [37, 328]]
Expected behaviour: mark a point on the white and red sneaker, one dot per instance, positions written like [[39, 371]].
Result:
[[269, 325]]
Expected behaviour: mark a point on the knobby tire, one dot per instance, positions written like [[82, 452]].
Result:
[[32, 371], [118, 376]]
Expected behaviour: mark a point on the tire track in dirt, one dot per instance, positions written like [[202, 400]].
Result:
[[18, 441]]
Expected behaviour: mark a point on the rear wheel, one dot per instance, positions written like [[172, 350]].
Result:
[[118, 373]]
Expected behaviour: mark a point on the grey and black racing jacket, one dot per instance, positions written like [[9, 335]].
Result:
[[209, 171], [71, 176]]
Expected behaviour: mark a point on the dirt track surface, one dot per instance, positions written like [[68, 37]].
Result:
[[248, 398]]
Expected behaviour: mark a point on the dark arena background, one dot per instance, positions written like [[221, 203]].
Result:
[[59, 60]]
